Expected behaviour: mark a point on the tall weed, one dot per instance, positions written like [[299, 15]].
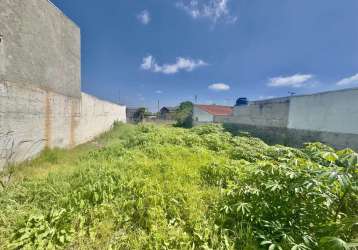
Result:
[[159, 187]]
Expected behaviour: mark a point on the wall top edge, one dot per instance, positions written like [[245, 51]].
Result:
[[63, 14], [327, 92], [99, 99], [288, 98], [268, 101]]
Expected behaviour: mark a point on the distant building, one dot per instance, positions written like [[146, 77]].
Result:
[[167, 113], [207, 113], [130, 113]]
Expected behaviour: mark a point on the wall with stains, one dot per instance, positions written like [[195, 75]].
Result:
[[41, 104], [328, 117], [39, 46], [32, 119], [271, 113], [96, 117]]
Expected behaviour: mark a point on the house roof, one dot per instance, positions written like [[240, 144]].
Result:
[[216, 109], [170, 109]]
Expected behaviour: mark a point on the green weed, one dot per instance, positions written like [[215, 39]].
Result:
[[158, 187]]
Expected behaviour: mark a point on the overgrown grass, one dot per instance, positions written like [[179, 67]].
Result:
[[158, 187]]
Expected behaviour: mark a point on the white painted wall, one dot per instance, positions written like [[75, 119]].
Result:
[[32, 119], [331, 112], [200, 115], [97, 116]]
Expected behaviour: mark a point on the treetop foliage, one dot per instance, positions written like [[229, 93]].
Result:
[[184, 115]]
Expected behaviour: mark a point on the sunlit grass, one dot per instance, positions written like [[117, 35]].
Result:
[[158, 187]]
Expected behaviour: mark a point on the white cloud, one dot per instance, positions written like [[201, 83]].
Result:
[[144, 17], [181, 63], [212, 9], [219, 87], [159, 92], [296, 81], [348, 81], [148, 62]]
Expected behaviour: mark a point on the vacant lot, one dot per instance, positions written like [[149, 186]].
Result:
[[157, 187]]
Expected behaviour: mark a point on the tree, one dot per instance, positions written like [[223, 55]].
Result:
[[184, 115]]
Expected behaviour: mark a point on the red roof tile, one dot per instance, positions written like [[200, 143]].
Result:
[[216, 109]]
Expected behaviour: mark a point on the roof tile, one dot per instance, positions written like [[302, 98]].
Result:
[[216, 109]]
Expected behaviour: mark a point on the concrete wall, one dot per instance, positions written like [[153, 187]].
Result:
[[272, 113], [330, 117], [32, 118], [41, 104], [40, 46], [335, 111], [96, 117], [201, 116], [295, 137]]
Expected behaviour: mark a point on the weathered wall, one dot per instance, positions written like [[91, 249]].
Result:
[[335, 111], [96, 117], [39, 46], [32, 118], [295, 137], [272, 113], [330, 117], [200, 116], [41, 104]]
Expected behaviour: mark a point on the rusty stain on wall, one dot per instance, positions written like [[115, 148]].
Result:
[[48, 119], [33, 119], [73, 122], [2, 55]]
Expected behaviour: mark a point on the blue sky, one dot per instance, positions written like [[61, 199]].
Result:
[[172, 50]]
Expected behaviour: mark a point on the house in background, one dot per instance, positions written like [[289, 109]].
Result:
[[167, 113], [130, 113], [207, 113]]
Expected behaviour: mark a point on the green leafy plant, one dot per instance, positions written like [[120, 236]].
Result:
[[157, 187], [183, 115], [43, 231]]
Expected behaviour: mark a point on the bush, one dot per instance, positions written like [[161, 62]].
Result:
[[184, 115], [157, 187]]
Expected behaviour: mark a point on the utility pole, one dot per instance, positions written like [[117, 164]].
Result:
[[196, 99], [158, 106], [119, 96]]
